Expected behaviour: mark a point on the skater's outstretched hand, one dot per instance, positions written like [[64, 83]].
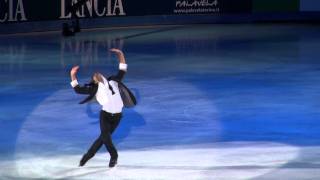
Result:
[[73, 72], [115, 50], [120, 55]]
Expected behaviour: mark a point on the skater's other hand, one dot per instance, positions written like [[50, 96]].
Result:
[[120, 55], [115, 50], [74, 70]]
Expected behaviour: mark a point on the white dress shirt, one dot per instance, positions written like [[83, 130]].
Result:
[[111, 103]]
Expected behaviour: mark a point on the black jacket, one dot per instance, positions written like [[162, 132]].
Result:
[[92, 88]]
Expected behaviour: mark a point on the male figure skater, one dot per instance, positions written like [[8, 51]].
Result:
[[106, 92]]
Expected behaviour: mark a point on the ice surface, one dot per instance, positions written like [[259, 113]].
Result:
[[214, 102]]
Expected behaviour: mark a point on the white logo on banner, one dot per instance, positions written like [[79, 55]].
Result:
[[112, 8], [196, 6], [13, 11]]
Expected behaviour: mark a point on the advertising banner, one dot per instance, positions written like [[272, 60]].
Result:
[[35, 10], [212, 6], [197, 6]]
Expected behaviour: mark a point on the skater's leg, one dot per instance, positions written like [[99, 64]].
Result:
[[105, 125], [92, 151], [115, 122]]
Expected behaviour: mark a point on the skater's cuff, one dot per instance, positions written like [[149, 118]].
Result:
[[74, 83], [123, 66]]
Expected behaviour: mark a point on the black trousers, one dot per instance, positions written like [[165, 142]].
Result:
[[108, 123]]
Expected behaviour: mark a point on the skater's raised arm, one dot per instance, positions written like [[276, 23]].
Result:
[[122, 63], [73, 73], [120, 55], [74, 83]]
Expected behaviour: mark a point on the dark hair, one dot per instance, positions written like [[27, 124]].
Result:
[[98, 76]]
